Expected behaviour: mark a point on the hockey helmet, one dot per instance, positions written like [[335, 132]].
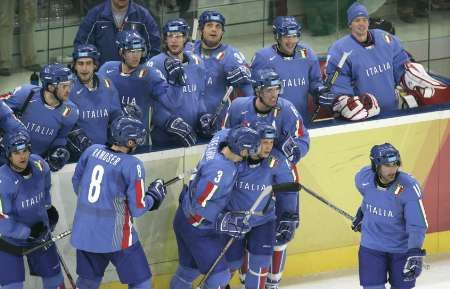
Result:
[[131, 40], [243, 138], [125, 128], [209, 16], [86, 51], [54, 74], [286, 26], [176, 25], [16, 142], [384, 154]]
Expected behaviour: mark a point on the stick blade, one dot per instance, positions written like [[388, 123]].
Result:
[[286, 187]]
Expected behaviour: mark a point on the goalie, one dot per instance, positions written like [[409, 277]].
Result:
[[376, 63]]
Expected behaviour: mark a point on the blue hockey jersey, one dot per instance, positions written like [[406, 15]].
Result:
[[110, 190], [253, 179], [48, 126], [300, 74], [186, 103], [97, 107], [375, 69], [210, 186], [394, 217], [24, 200], [144, 87], [285, 118], [8, 121], [218, 63]]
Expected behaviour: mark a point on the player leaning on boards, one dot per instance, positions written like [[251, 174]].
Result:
[[392, 222], [109, 184], [376, 63], [295, 62], [27, 216]]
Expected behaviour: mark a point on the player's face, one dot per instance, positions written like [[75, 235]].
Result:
[[85, 68], [387, 173], [132, 57], [120, 3], [212, 33], [63, 90], [19, 160], [175, 42], [266, 147], [287, 44], [269, 96], [359, 27]]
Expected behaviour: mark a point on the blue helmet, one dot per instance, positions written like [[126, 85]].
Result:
[[86, 51], [384, 154], [176, 25], [17, 141], [209, 16], [54, 74], [266, 77], [125, 128], [266, 131], [130, 40], [286, 26], [243, 138]]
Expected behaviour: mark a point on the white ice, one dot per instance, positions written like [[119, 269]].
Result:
[[436, 277]]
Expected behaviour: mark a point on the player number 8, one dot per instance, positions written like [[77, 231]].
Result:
[[94, 186]]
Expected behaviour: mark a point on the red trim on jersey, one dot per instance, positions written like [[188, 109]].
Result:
[[299, 129], [295, 173], [262, 277], [139, 188], [3, 216], [277, 259], [207, 194], [195, 220], [126, 230]]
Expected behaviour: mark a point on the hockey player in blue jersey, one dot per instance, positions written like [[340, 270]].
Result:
[[110, 187], [8, 121], [375, 62], [185, 72], [97, 100], [225, 65], [26, 216], [392, 222], [201, 219], [270, 167], [146, 88], [266, 107], [47, 113], [295, 62]]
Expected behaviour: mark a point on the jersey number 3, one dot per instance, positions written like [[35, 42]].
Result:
[[94, 186]]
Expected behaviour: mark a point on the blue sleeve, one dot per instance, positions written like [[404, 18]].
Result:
[[159, 90], [8, 226], [343, 84], [85, 29], [415, 217], [8, 120], [294, 126], [79, 170], [286, 172], [315, 77], [47, 184], [138, 202], [213, 190], [400, 58], [153, 34], [116, 106], [18, 97]]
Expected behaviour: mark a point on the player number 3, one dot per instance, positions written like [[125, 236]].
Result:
[[94, 186]]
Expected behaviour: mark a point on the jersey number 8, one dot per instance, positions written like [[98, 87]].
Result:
[[94, 186]]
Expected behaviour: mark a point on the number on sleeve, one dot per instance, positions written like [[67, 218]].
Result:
[[219, 176]]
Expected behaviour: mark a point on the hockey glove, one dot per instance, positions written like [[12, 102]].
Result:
[[183, 130], [414, 263], [158, 192], [77, 142], [175, 71], [356, 107], [133, 111], [291, 149], [239, 75], [417, 79], [286, 228], [233, 224], [325, 97], [37, 232], [58, 158], [357, 221], [53, 217], [205, 125]]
